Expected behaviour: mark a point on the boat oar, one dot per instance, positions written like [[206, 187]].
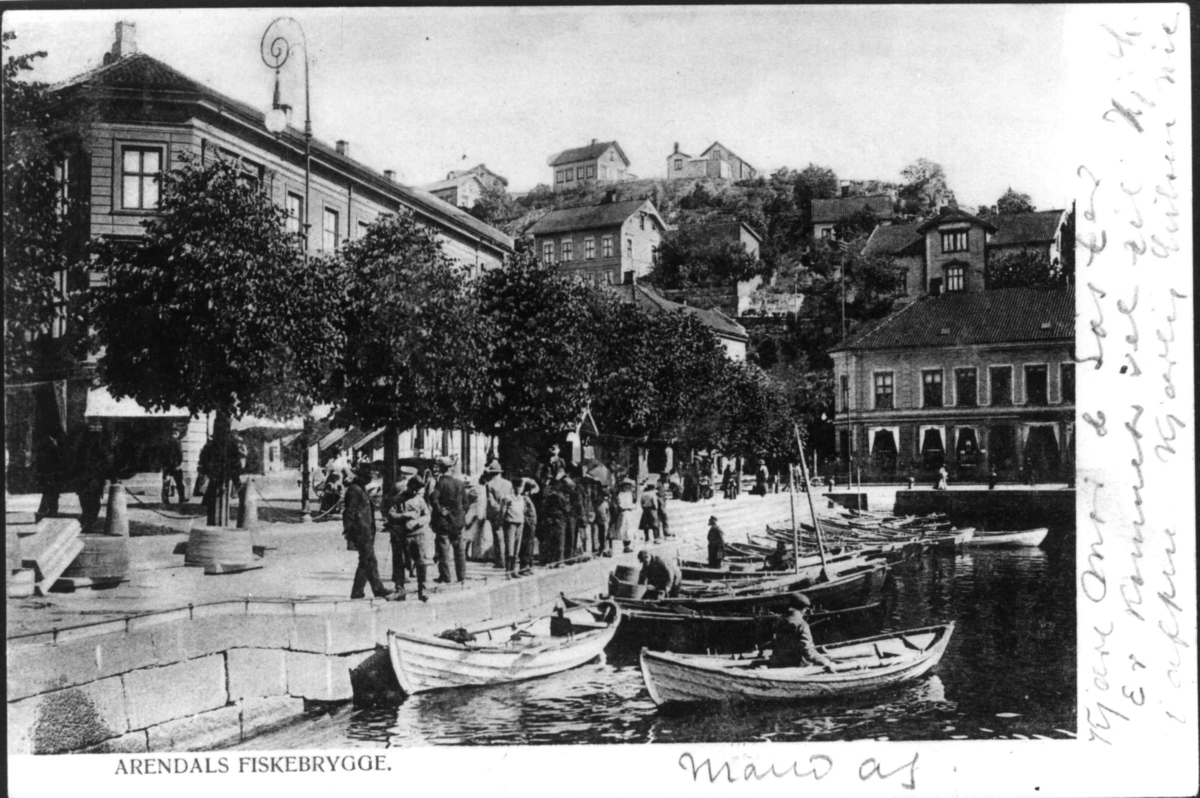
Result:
[[824, 576]]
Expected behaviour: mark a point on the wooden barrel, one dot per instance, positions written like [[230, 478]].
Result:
[[104, 557], [627, 573], [20, 584], [627, 590], [212, 545]]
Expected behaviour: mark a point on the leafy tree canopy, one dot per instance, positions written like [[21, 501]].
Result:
[[1013, 202], [924, 188], [1024, 268], [698, 255], [495, 206]]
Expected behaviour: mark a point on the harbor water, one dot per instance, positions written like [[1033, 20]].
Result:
[[1008, 673]]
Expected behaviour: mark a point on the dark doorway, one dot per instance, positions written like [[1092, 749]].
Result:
[[933, 451]]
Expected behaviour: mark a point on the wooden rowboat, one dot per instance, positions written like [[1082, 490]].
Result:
[[1030, 537], [876, 662], [509, 653]]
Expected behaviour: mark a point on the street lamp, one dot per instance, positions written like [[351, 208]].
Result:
[[276, 49]]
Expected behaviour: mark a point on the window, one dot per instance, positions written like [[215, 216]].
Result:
[[965, 387], [548, 252], [826, 233], [570, 173], [580, 172], [884, 391], [566, 250], [295, 213], [140, 168], [1000, 378], [845, 386], [716, 155], [629, 248], [606, 247], [589, 248], [558, 176], [591, 171], [1067, 375], [330, 233], [62, 178], [1035, 385], [931, 388], [955, 241], [642, 220], [955, 278], [678, 164]]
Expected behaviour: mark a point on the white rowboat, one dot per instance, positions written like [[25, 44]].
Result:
[[878, 662], [508, 653], [1030, 537]]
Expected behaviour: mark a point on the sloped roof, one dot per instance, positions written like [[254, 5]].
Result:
[[588, 217], [593, 150], [453, 182], [955, 215], [1030, 227], [477, 169], [833, 210], [893, 239], [143, 73], [726, 149], [998, 316], [646, 297]]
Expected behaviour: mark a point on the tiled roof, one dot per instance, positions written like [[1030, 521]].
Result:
[[894, 239], [588, 217], [955, 215], [724, 149], [478, 169], [593, 150], [834, 210], [452, 182], [1031, 227], [645, 296], [1003, 315], [141, 72]]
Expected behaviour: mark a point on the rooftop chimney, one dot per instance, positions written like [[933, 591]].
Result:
[[593, 141], [343, 147], [677, 146], [390, 174], [126, 40]]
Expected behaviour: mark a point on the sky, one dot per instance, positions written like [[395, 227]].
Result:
[[863, 90]]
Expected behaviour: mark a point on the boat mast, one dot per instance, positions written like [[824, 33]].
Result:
[[811, 505], [795, 534]]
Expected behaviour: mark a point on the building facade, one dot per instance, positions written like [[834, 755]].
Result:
[[828, 213], [462, 191], [486, 176], [145, 116], [595, 163], [718, 162], [609, 243]]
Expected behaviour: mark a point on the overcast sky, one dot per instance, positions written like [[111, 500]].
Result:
[[864, 90]]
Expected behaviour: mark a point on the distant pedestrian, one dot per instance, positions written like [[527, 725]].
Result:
[[649, 505], [511, 518], [172, 466], [448, 505], [555, 510], [498, 491], [727, 480], [602, 503], [585, 527], [992, 478], [552, 466], [664, 493], [358, 527], [943, 478], [91, 465], [716, 543], [627, 507], [760, 478], [48, 464], [527, 551], [408, 519]]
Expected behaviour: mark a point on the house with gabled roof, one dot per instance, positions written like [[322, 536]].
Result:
[[732, 335], [598, 162], [486, 176], [718, 162], [828, 213], [462, 191], [606, 243]]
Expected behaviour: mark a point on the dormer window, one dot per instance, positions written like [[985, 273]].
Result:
[[954, 241], [956, 278]]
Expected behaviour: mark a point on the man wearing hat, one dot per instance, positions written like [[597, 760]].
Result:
[[556, 508], [358, 527], [662, 575], [408, 520], [499, 493], [448, 508], [553, 465], [779, 560], [716, 543], [793, 645]]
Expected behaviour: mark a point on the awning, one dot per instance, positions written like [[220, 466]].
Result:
[[101, 404]]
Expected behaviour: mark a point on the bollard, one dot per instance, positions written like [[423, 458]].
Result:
[[248, 506], [117, 521]]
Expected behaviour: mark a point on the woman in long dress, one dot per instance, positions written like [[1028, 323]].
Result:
[[623, 519]]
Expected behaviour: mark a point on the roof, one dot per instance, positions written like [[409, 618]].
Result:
[[454, 182], [588, 217], [997, 316], [893, 239], [477, 169], [834, 210], [140, 72], [1029, 227], [593, 150], [726, 149], [731, 227], [645, 296], [954, 215]]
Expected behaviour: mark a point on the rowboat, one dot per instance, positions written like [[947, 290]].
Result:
[[539, 647], [682, 629], [1030, 537], [871, 663]]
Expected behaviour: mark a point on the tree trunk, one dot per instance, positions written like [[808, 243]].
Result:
[[391, 455]]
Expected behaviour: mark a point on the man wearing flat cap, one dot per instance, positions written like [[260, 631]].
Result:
[[448, 509], [793, 646], [500, 494], [358, 524]]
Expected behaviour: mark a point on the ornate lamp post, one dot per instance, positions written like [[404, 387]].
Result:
[[276, 49]]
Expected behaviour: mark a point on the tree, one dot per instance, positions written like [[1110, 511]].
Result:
[[494, 206], [541, 196], [858, 224], [1012, 202], [1024, 268], [810, 183], [924, 188], [41, 252], [415, 351], [214, 308], [697, 255]]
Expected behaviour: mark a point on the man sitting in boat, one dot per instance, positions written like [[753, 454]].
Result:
[[665, 577], [793, 645], [779, 560]]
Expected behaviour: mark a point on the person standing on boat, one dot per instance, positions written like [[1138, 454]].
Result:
[[665, 577], [499, 490], [448, 504], [649, 504], [716, 543], [358, 527], [793, 646], [409, 521]]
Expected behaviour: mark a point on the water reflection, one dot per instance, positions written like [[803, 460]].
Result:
[[1009, 671]]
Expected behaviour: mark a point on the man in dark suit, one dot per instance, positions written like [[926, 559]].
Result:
[[358, 527], [448, 510]]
